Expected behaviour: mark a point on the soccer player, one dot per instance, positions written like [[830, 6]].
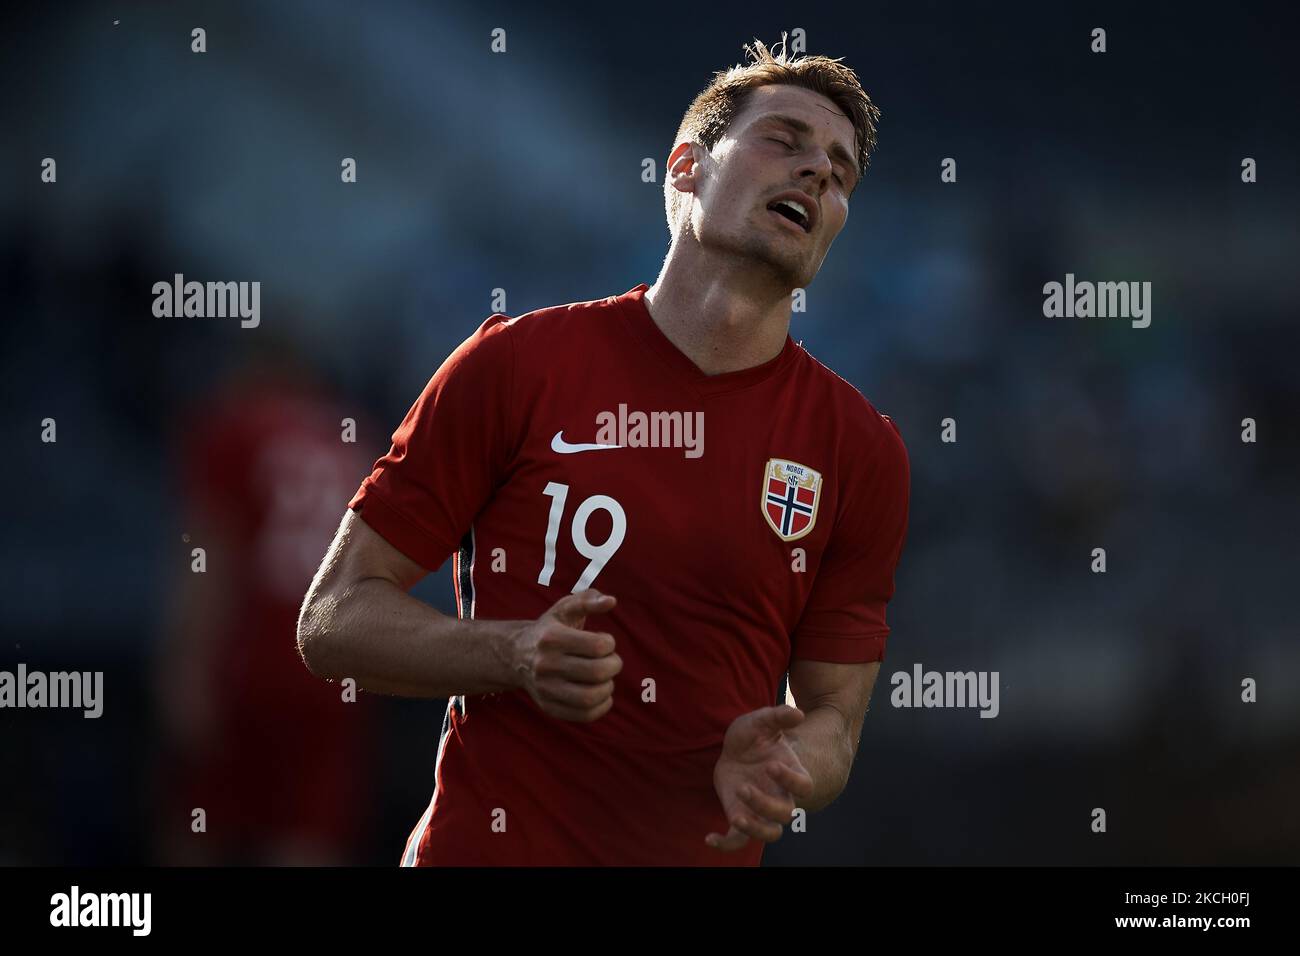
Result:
[[659, 506], [261, 473]]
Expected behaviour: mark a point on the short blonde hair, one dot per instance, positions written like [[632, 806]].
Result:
[[710, 114]]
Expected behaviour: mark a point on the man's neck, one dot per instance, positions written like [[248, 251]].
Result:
[[720, 314]]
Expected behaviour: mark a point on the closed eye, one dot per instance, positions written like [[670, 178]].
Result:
[[838, 178]]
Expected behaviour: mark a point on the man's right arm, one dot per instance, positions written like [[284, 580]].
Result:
[[358, 621]]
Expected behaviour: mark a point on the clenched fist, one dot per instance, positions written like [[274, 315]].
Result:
[[569, 672]]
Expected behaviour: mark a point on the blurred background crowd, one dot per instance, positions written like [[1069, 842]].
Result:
[[522, 171]]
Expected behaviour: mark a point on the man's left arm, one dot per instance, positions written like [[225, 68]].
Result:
[[840, 641], [777, 759], [834, 700]]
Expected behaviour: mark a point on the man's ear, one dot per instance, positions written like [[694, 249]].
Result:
[[682, 168]]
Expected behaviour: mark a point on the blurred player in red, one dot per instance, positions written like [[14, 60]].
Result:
[[278, 761], [659, 504]]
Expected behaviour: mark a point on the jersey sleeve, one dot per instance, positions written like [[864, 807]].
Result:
[[449, 452], [844, 619]]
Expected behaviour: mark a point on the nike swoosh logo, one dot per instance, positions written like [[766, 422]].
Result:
[[562, 447]]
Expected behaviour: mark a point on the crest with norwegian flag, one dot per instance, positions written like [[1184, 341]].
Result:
[[791, 492]]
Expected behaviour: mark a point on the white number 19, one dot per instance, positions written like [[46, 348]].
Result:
[[599, 555]]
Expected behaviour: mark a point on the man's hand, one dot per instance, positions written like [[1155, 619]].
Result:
[[758, 777], [569, 672]]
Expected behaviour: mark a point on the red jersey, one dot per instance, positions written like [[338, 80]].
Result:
[[262, 463], [740, 520]]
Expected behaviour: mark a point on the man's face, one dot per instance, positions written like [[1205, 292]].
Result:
[[787, 143]]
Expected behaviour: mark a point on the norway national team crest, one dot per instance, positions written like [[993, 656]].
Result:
[[791, 493]]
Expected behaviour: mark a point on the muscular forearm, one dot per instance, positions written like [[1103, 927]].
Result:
[[393, 643], [823, 746]]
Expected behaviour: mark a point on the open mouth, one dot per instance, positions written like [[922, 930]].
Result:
[[792, 211]]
